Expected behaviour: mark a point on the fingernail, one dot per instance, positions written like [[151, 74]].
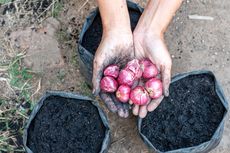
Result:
[[126, 114], [121, 113], [95, 94], [113, 109], [93, 91], [166, 93]]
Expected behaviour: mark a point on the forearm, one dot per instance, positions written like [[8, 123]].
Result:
[[114, 14], [157, 16]]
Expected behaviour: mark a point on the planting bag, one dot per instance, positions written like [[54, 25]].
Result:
[[90, 38], [66, 122], [191, 119]]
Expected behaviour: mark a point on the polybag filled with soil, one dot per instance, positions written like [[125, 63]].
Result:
[[65, 122], [191, 119]]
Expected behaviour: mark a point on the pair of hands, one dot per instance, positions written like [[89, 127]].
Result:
[[120, 47]]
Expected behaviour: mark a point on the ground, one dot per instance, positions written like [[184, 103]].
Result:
[[194, 45]]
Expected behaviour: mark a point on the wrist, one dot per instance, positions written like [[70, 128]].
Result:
[[114, 16], [117, 31], [147, 33]]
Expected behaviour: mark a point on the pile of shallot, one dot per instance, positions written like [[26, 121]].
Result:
[[123, 82]]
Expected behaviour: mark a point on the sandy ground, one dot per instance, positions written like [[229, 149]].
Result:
[[193, 44]]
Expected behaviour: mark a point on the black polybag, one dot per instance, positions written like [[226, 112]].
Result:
[[106, 141], [206, 146]]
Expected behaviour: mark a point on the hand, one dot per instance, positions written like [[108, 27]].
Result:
[[115, 47], [152, 46]]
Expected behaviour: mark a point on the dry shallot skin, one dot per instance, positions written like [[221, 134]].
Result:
[[112, 70], [154, 87], [108, 84], [139, 96], [148, 68], [134, 67], [123, 93]]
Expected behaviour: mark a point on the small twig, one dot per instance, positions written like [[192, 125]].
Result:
[[4, 118], [22, 115], [24, 85], [199, 17], [38, 88], [7, 83], [47, 9], [52, 10], [82, 6], [18, 57], [10, 3], [3, 68]]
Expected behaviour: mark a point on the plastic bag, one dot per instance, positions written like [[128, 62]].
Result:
[[106, 141], [206, 146]]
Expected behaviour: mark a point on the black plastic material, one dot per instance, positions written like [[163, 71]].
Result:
[[90, 37], [106, 141], [216, 137]]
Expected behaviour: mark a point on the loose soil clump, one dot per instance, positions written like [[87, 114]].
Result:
[[92, 37], [66, 125], [188, 117]]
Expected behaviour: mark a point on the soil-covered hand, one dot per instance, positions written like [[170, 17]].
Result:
[[153, 47], [116, 47]]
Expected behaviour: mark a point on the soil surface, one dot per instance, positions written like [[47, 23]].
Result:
[[92, 37], [66, 125], [188, 117]]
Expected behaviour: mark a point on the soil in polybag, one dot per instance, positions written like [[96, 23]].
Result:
[[93, 35], [188, 117], [64, 125]]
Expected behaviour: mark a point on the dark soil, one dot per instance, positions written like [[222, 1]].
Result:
[[188, 117], [66, 125], [93, 35]]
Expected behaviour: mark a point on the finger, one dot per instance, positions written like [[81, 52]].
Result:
[[108, 102], [166, 79], [97, 74], [122, 109], [135, 110], [154, 104], [143, 111], [126, 109]]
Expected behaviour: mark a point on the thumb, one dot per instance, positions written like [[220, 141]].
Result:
[[166, 79], [97, 75]]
